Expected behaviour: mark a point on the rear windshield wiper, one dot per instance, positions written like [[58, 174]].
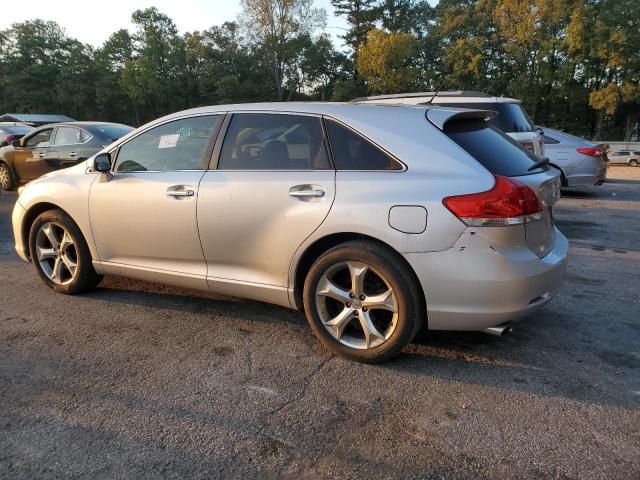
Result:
[[539, 163]]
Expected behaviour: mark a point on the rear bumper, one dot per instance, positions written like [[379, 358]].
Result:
[[589, 172], [17, 218], [482, 286]]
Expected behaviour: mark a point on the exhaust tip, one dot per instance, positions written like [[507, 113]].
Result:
[[498, 331]]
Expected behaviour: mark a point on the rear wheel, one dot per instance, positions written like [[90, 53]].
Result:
[[6, 177], [633, 162], [60, 254], [363, 302]]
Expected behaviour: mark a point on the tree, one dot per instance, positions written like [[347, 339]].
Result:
[[273, 25], [361, 16], [384, 61]]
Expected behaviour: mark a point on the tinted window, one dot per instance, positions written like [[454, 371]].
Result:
[[177, 145], [353, 152], [497, 152], [85, 136], [67, 136], [16, 130], [40, 139], [274, 142], [511, 116], [112, 132], [550, 141]]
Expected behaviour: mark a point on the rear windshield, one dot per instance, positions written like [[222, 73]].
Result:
[[112, 132], [511, 118], [497, 152]]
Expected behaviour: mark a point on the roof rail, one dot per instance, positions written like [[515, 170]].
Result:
[[445, 93]]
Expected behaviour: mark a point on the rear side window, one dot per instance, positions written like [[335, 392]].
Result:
[[67, 136], [497, 152], [353, 152], [550, 141], [269, 141]]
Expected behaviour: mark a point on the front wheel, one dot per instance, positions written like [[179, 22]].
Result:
[[6, 177], [363, 302], [633, 163], [60, 254]]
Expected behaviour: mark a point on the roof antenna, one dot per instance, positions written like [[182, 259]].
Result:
[[442, 84]]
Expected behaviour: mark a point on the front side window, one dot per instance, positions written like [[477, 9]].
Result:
[[40, 139], [263, 141], [177, 145], [68, 136], [353, 152]]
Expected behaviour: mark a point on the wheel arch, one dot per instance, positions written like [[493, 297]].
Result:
[[323, 244], [30, 216], [563, 176]]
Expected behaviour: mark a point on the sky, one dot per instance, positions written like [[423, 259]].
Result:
[[92, 23]]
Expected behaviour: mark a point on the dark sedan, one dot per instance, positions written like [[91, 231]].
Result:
[[10, 132], [53, 147]]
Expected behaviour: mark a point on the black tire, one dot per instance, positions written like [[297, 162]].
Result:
[[7, 180], [633, 162], [398, 276], [85, 277]]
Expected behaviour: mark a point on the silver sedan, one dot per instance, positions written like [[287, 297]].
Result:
[[581, 162], [374, 220]]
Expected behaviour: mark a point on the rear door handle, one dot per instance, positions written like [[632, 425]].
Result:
[[73, 154], [41, 155]]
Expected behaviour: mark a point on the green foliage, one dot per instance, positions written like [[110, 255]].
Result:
[[575, 64]]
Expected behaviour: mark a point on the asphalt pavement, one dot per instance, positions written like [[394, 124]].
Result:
[[138, 380]]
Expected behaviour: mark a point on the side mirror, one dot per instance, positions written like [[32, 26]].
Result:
[[102, 163], [540, 131], [16, 143]]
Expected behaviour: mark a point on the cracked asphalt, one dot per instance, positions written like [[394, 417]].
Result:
[[138, 380]]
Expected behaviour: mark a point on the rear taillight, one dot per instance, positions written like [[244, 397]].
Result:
[[509, 202], [528, 146], [8, 138], [592, 152]]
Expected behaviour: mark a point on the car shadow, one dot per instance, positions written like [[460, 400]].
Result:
[[535, 359]]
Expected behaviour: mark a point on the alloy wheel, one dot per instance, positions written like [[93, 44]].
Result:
[[5, 179], [357, 305], [56, 253]]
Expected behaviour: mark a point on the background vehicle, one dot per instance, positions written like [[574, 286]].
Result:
[[626, 157], [321, 207], [10, 132], [53, 147], [511, 119], [580, 161]]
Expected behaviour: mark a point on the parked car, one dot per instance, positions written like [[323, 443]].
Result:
[[581, 162], [625, 157], [53, 147], [372, 219], [11, 131], [511, 119]]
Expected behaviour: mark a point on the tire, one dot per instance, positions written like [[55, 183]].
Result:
[[633, 162], [396, 316], [66, 267], [7, 182]]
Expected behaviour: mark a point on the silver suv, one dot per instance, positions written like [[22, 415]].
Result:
[[511, 116], [625, 157], [374, 220]]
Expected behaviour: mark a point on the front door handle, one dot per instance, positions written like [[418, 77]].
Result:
[[180, 193], [41, 155], [73, 155], [306, 191]]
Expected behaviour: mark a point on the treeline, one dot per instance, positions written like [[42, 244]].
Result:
[[574, 63]]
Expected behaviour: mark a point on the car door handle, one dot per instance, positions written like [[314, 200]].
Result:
[[180, 193], [294, 192], [73, 155], [41, 155]]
